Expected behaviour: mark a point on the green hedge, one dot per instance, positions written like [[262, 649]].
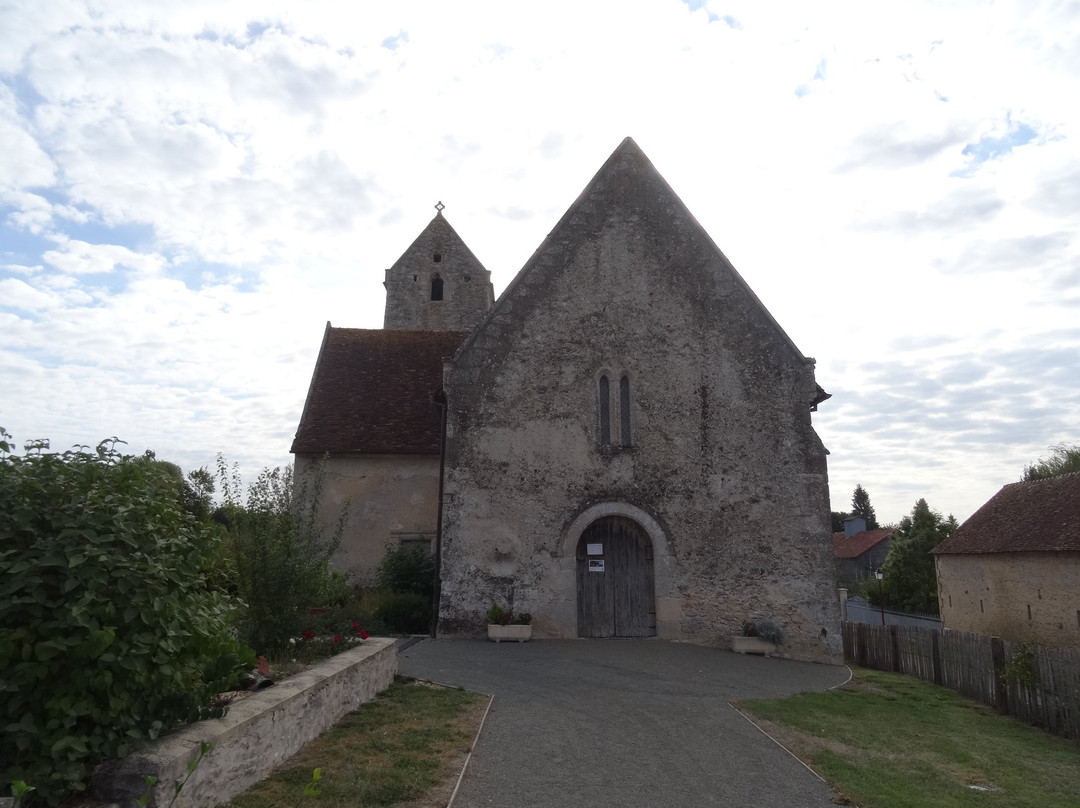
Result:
[[109, 631]]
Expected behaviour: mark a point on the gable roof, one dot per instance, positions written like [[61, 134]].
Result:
[[845, 546], [1037, 516], [372, 392], [627, 186]]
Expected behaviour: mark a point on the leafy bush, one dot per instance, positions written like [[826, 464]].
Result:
[[499, 616], [281, 555], [406, 612], [109, 632], [764, 629], [407, 568]]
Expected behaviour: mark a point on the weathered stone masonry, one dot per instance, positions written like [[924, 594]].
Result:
[[629, 449], [723, 460]]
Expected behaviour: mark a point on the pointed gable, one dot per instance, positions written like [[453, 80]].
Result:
[[437, 284], [629, 195]]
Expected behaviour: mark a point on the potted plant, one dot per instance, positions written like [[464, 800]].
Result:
[[506, 624], [758, 637]]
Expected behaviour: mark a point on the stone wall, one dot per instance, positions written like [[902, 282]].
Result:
[[258, 734], [388, 497], [723, 462], [1016, 596]]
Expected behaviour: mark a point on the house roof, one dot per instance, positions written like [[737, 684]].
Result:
[[372, 392], [844, 546], [1038, 516]]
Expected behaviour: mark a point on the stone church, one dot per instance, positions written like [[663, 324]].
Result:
[[621, 444]]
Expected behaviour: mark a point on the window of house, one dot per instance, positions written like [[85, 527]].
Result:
[[436, 288], [605, 411], [624, 409], [413, 540]]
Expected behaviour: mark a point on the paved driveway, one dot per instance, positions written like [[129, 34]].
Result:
[[598, 723]]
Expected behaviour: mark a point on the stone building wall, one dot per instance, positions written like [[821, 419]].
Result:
[[389, 498], [1017, 596], [724, 470]]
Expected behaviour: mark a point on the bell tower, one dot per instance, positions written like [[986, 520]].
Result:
[[437, 284]]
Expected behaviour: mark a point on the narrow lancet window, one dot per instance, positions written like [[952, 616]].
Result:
[[605, 412], [436, 288], [624, 409]]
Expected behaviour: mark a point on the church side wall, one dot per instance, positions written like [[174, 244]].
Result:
[[388, 497], [1018, 596], [723, 456]]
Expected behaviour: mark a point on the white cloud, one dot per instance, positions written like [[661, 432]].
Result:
[[200, 186]]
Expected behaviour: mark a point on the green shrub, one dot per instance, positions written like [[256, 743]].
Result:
[[406, 613], [281, 556], [407, 568], [109, 631]]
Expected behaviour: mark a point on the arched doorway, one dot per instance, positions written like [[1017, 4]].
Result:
[[615, 580]]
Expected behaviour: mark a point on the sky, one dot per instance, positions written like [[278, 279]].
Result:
[[189, 191]]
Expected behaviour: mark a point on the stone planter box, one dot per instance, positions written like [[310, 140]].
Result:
[[258, 733], [498, 633], [752, 645]]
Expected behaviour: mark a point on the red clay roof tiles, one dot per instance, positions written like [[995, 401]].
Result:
[[372, 392], [1038, 516], [844, 546]]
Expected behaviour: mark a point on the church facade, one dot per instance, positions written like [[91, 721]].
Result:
[[622, 441]]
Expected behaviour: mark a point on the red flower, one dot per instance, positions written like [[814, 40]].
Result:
[[308, 635], [355, 626], [363, 634], [337, 638]]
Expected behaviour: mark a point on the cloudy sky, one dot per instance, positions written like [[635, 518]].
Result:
[[190, 190]]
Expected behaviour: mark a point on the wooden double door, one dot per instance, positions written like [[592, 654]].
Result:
[[615, 580]]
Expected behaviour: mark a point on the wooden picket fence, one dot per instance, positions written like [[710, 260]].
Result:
[[1047, 692]]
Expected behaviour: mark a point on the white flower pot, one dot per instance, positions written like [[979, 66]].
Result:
[[499, 633]]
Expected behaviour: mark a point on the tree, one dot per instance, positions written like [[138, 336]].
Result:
[[860, 506], [1062, 460], [910, 581], [837, 518], [280, 553]]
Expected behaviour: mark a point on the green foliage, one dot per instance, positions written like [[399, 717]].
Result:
[[860, 506], [281, 555], [764, 629], [109, 630], [406, 568], [406, 612], [1063, 459], [1021, 665], [910, 582], [836, 519], [19, 792], [499, 616]]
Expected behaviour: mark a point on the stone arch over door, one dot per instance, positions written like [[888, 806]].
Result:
[[615, 579]]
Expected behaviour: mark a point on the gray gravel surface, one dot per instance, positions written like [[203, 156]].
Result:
[[623, 723]]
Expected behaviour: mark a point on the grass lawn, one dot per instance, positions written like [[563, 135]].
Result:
[[890, 741], [405, 748]]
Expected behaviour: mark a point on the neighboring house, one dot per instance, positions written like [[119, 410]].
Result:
[[628, 443], [858, 552], [1013, 569]]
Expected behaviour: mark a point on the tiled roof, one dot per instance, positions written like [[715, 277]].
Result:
[[1038, 516], [844, 546], [372, 392]]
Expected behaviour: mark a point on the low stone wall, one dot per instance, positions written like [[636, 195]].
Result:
[[258, 734]]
